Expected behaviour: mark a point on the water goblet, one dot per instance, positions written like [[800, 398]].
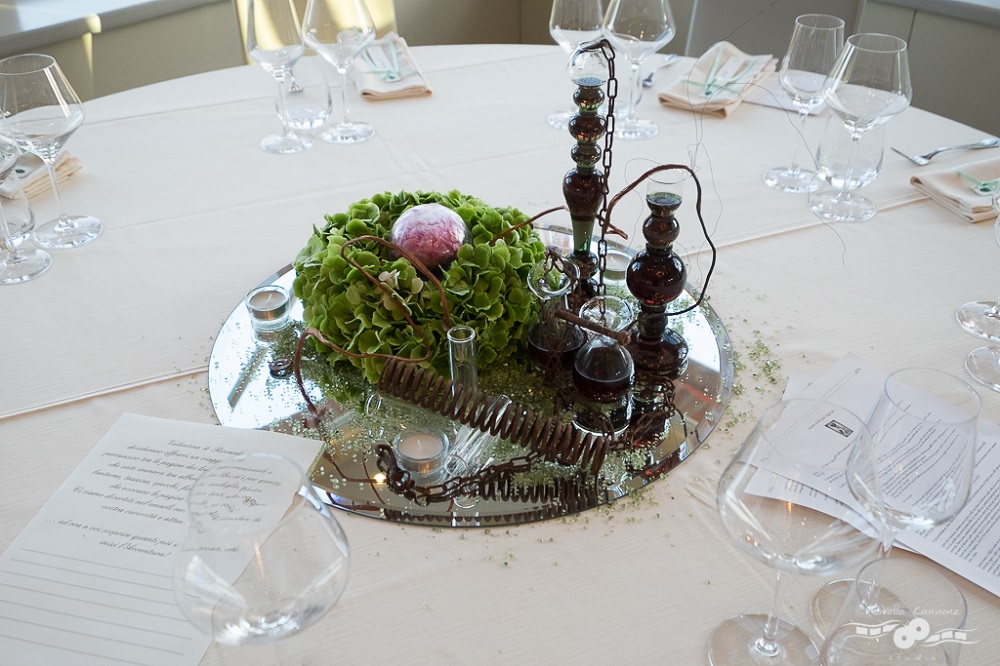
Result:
[[762, 510], [637, 28], [816, 42], [573, 22], [847, 164], [39, 111], [917, 470], [339, 30], [16, 209], [899, 610], [262, 557], [868, 85], [16, 264], [308, 103], [982, 318], [274, 42]]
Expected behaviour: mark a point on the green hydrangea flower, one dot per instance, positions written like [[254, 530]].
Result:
[[485, 285]]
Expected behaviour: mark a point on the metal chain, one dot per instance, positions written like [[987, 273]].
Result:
[[609, 137]]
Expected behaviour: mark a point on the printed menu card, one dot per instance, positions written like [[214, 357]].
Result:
[[89, 580]]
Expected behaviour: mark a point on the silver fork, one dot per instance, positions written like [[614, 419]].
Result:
[[923, 160]]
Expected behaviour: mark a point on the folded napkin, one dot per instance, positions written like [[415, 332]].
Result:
[[719, 81], [34, 177], [387, 70], [948, 188]]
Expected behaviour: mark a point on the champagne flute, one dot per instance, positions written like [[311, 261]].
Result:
[[39, 111], [637, 28], [868, 86], [816, 42], [16, 264], [573, 22], [262, 557], [339, 30], [769, 517], [982, 318], [917, 470], [274, 42]]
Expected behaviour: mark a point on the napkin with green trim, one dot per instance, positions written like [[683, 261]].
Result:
[[34, 177], [957, 189], [719, 81], [387, 70]]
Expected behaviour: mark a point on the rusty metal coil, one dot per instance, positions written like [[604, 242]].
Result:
[[547, 437]]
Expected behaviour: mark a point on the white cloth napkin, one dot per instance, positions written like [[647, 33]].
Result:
[[719, 81], [387, 70], [34, 177], [952, 191]]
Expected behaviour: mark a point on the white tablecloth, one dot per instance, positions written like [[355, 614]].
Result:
[[196, 214]]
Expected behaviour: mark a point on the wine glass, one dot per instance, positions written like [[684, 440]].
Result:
[[774, 524], [637, 28], [816, 42], [573, 22], [917, 471], [868, 85], [39, 111], [847, 164], [274, 42], [16, 264], [982, 318], [339, 30], [262, 557]]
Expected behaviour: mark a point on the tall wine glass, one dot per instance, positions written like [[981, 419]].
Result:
[[816, 42], [274, 42], [637, 28], [982, 318], [868, 86], [339, 30], [917, 471], [16, 264], [774, 525], [572, 23], [262, 557], [39, 111]]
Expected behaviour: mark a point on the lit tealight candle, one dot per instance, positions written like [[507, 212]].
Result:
[[268, 306], [421, 452]]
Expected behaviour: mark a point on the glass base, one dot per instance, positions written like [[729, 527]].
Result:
[[347, 133], [66, 232], [735, 642], [30, 263], [787, 179], [841, 207], [560, 119], [984, 366], [980, 318], [827, 604], [285, 144], [632, 130]]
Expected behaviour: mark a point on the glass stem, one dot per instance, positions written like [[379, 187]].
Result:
[[633, 95], [800, 136], [286, 131], [65, 223], [855, 142], [768, 645], [343, 96]]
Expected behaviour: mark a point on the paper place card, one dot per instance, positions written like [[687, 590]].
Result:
[[90, 579]]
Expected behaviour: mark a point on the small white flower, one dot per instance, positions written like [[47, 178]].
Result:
[[388, 278]]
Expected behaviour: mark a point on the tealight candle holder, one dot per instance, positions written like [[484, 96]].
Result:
[[268, 307], [422, 452]]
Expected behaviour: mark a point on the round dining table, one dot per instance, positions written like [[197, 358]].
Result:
[[195, 214]]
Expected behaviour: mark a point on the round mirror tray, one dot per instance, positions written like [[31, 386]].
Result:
[[246, 394]]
